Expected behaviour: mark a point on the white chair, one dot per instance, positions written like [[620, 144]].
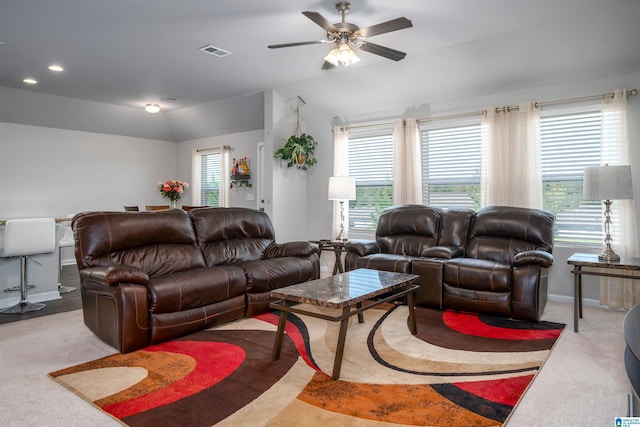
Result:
[[24, 238], [65, 242]]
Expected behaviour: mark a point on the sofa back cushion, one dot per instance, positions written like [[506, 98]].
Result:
[[231, 235], [454, 227], [408, 229], [498, 233], [157, 242]]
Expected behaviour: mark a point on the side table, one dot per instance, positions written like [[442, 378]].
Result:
[[580, 261], [336, 246]]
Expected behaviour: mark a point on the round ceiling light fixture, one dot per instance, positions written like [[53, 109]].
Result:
[[30, 81], [152, 108], [55, 67]]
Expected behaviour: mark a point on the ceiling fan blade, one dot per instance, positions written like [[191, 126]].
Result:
[[385, 27], [322, 21], [396, 55], [277, 46], [327, 65]]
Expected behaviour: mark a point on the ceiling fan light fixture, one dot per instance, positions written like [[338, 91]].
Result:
[[332, 57], [342, 55], [346, 56]]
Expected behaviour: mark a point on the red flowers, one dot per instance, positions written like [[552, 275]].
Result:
[[172, 189]]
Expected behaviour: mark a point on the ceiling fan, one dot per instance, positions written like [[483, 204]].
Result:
[[346, 36]]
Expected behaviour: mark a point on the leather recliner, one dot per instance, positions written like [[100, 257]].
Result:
[[492, 261]]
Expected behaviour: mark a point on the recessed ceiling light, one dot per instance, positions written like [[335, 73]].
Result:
[[30, 81], [152, 108], [55, 67]]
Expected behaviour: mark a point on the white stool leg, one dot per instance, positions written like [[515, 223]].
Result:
[[24, 306], [61, 288]]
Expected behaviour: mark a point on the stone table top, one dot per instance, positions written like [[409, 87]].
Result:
[[591, 260], [345, 289]]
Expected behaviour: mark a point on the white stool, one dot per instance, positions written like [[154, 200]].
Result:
[[24, 238], [65, 242]]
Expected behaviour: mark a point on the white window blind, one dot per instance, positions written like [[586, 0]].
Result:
[[210, 169], [451, 167], [569, 143], [371, 164]]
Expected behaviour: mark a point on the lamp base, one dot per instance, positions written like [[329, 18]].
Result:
[[608, 255]]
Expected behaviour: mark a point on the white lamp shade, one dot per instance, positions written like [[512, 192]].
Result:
[[607, 183], [342, 188]]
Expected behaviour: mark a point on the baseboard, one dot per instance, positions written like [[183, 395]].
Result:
[[70, 261], [569, 299]]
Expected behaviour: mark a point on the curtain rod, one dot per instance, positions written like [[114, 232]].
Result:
[[226, 147], [632, 92]]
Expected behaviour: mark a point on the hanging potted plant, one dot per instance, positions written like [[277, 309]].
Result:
[[299, 150]]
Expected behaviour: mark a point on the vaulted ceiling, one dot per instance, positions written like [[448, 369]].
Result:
[[133, 52]]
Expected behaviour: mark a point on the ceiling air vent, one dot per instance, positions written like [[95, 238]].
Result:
[[215, 51]]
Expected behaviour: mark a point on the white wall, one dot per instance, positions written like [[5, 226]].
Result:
[[289, 192], [54, 172]]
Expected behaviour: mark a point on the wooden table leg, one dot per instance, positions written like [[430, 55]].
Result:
[[412, 314], [277, 346], [576, 297], [337, 363], [361, 314]]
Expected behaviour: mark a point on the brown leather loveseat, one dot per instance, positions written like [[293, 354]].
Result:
[[148, 277], [492, 261]]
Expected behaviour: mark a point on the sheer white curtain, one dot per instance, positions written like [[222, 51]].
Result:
[[225, 172], [614, 292], [407, 174], [510, 171], [340, 168]]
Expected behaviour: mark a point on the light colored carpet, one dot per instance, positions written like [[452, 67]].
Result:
[[583, 382]]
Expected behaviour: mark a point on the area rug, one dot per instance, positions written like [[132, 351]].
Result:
[[459, 370]]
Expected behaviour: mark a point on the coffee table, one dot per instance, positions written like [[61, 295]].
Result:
[[352, 292]]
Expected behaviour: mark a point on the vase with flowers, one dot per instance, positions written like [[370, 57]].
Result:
[[172, 190]]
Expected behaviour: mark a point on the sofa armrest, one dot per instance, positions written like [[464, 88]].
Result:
[[445, 252], [542, 258], [279, 250], [364, 247], [112, 275]]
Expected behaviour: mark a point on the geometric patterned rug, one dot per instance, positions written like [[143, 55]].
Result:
[[459, 370]]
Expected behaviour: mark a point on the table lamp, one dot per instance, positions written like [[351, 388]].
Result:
[[607, 183], [342, 188]]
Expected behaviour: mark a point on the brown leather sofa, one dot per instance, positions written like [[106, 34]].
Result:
[[148, 277], [492, 261]]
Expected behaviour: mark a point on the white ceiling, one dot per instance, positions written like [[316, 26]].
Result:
[[133, 52]]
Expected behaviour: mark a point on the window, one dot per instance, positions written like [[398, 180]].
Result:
[[570, 140], [371, 164], [569, 143], [210, 169], [451, 166]]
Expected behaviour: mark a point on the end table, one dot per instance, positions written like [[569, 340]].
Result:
[[579, 261], [336, 246]]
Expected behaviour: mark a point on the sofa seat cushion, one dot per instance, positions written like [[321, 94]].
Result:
[[195, 288], [477, 274], [386, 262], [268, 274]]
